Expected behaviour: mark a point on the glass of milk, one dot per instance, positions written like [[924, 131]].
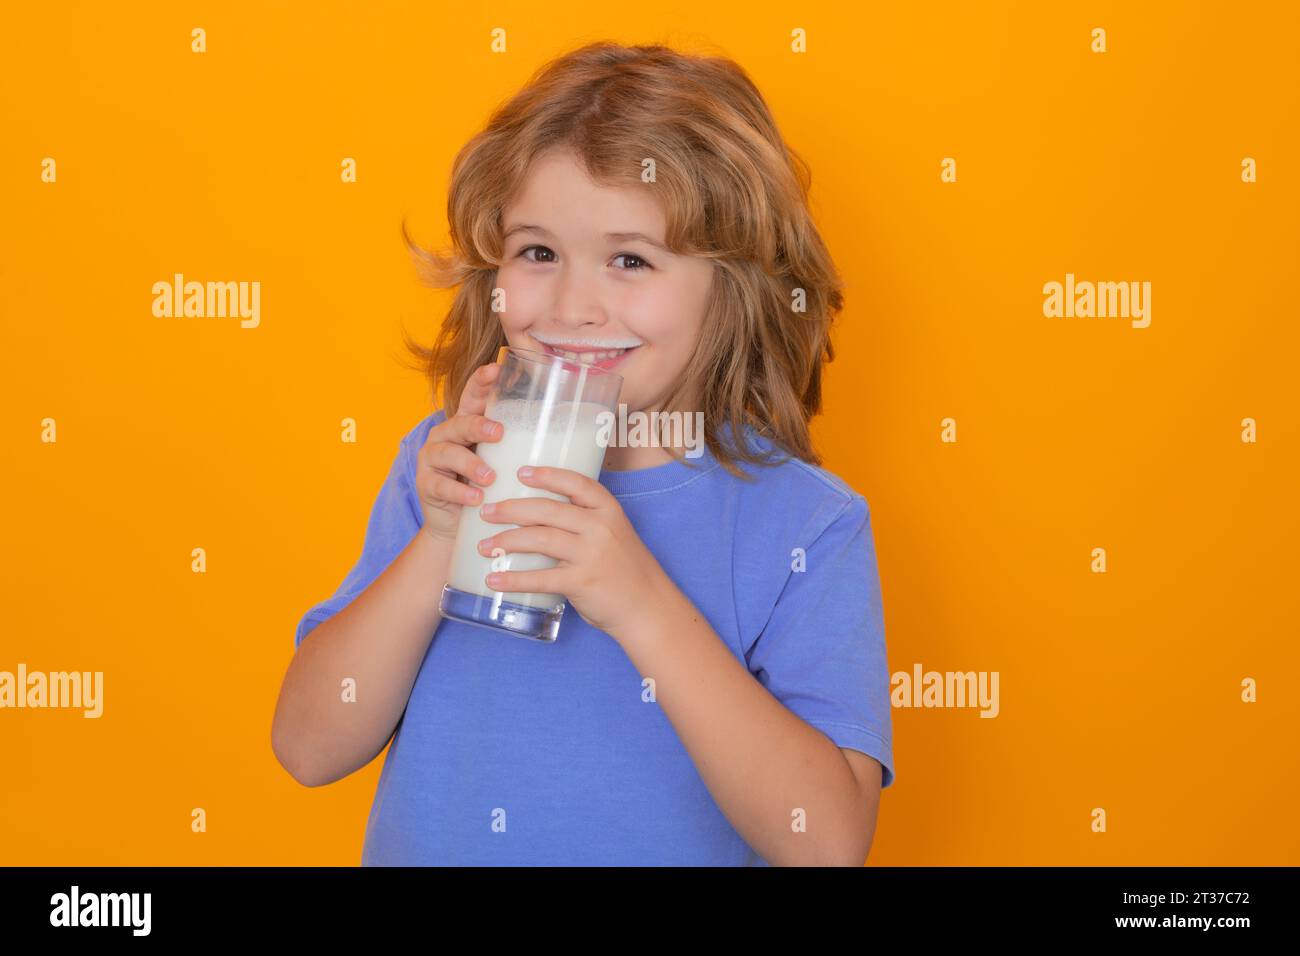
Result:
[[552, 410]]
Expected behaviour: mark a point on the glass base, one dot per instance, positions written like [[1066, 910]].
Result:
[[535, 623]]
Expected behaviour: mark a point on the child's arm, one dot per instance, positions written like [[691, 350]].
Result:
[[379, 640], [765, 767]]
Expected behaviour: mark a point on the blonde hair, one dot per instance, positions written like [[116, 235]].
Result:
[[732, 192]]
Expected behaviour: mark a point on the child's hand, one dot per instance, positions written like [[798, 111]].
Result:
[[605, 571], [444, 456]]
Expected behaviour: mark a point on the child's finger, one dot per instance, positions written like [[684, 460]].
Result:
[[474, 399]]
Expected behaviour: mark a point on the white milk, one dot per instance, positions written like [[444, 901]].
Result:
[[570, 442]]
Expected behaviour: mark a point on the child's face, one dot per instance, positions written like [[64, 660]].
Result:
[[571, 282]]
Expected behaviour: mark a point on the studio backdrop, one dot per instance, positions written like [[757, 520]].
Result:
[[1064, 381]]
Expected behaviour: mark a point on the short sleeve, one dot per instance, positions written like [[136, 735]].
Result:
[[822, 651], [394, 519]]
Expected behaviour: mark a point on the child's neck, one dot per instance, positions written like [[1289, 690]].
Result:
[[634, 459]]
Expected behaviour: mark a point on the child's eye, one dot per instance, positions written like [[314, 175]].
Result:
[[628, 255], [524, 252]]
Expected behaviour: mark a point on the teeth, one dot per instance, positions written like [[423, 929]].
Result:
[[588, 358]]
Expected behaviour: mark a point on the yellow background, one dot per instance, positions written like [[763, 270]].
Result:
[[1118, 690]]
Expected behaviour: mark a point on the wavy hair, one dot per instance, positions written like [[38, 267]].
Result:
[[732, 191]]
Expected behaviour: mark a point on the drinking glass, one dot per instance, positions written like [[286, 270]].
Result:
[[551, 409]]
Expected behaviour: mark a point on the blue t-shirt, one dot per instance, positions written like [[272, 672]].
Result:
[[556, 740]]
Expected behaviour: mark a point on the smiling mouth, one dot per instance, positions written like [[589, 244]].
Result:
[[597, 358]]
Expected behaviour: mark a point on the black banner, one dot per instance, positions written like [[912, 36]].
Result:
[[211, 904]]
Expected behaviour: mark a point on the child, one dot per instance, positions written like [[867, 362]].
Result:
[[718, 693]]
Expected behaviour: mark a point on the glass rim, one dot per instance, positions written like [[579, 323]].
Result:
[[552, 361]]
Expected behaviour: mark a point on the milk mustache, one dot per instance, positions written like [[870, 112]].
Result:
[[569, 441]]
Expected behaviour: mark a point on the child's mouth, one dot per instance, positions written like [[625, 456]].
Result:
[[602, 359]]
